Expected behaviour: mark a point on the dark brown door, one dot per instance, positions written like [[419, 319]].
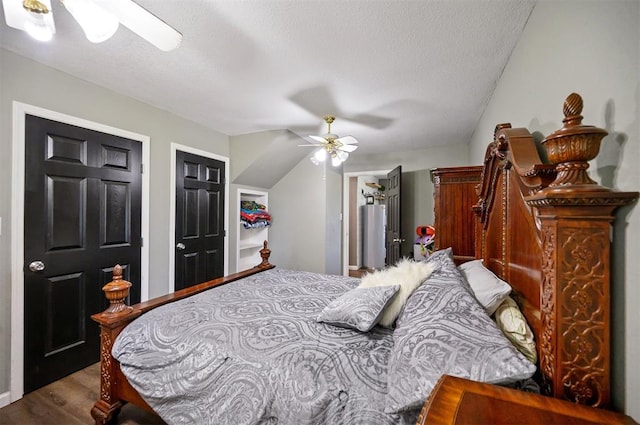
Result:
[[393, 238], [199, 219], [83, 192]]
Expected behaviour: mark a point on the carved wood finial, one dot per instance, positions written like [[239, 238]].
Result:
[[117, 272], [572, 110], [572, 147], [116, 292], [265, 252]]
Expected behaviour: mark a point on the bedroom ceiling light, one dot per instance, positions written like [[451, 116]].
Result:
[[32, 16], [330, 145], [99, 20]]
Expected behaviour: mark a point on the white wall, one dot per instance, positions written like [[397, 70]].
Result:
[[29, 82], [333, 226], [263, 158], [417, 206], [298, 211], [591, 48]]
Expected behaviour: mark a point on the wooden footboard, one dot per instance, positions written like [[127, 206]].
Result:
[[115, 390]]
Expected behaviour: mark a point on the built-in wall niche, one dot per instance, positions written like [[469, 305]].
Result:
[[253, 228]]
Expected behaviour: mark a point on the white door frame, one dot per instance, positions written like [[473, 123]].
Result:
[[20, 110], [172, 207], [345, 212]]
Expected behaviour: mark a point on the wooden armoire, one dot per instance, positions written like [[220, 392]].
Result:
[[454, 197]]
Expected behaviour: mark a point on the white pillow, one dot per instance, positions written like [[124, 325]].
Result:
[[488, 288], [408, 274]]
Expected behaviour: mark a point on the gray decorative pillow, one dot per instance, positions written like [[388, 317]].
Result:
[[443, 330], [441, 258], [359, 308]]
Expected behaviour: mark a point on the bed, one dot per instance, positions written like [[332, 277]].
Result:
[[557, 263]]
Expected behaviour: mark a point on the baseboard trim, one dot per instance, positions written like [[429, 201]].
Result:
[[5, 399]]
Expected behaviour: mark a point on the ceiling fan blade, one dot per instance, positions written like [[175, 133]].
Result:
[[371, 120], [318, 101], [347, 140], [319, 139], [348, 148], [144, 23], [314, 145]]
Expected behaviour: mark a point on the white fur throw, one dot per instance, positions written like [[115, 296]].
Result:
[[408, 274]]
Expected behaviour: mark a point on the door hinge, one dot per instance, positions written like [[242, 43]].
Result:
[[141, 242], [141, 168], [224, 233]]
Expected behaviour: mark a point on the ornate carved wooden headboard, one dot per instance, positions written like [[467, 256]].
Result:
[[545, 228]]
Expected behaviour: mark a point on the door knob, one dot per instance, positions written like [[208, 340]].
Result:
[[398, 240], [180, 246], [36, 266]]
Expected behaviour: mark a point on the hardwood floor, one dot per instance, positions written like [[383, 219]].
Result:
[[68, 401]]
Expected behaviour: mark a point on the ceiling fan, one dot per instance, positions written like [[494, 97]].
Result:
[[338, 148], [99, 20]]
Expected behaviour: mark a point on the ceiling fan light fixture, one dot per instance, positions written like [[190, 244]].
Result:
[[99, 19], [332, 145], [98, 24], [37, 27], [32, 16], [342, 155], [320, 155]]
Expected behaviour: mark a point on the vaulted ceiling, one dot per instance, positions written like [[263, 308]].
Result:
[[397, 74]]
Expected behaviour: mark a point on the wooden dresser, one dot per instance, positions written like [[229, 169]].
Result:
[[462, 402], [454, 196]]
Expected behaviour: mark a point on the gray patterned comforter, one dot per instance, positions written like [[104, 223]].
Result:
[[251, 352]]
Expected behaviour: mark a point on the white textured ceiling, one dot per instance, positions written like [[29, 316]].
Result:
[[398, 75]]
